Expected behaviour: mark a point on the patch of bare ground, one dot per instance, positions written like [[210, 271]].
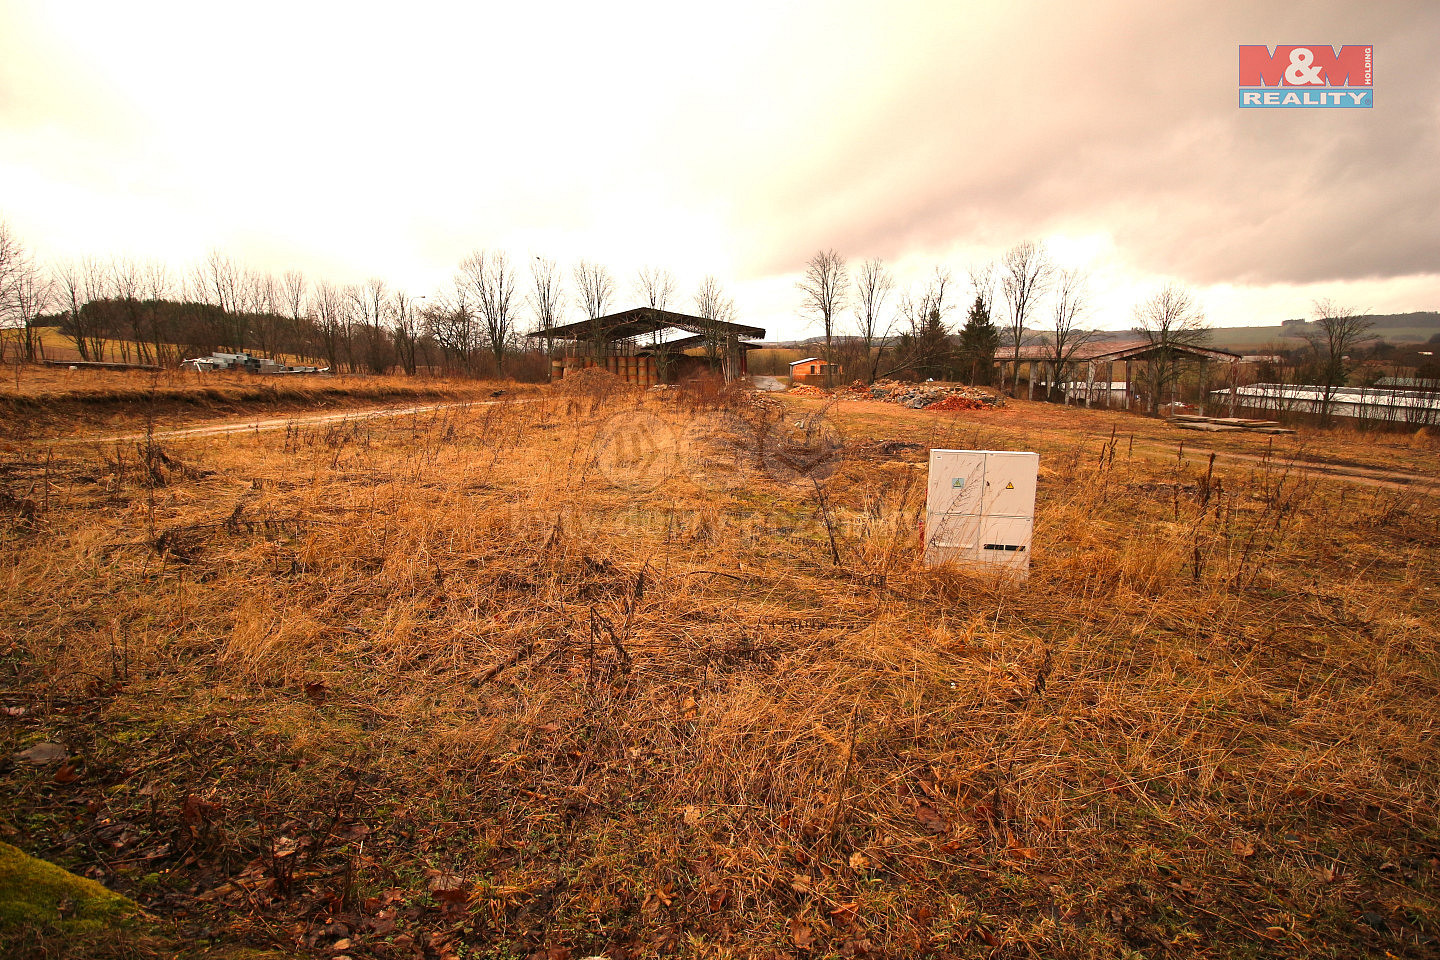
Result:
[[639, 675]]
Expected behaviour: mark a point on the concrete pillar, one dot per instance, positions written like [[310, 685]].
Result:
[[1204, 384], [1127, 385], [1029, 379], [1089, 383], [1234, 383]]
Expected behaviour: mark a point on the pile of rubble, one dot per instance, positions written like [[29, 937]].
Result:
[[916, 396], [931, 396]]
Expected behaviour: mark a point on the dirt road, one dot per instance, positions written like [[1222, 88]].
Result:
[[1370, 476], [280, 423]]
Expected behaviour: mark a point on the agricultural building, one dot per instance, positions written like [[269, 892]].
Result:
[[1103, 359], [647, 346]]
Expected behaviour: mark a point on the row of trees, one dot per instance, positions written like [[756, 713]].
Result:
[[143, 312], [914, 335], [1042, 307]]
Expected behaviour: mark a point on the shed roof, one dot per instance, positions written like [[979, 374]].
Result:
[[629, 324], [1105, 350]]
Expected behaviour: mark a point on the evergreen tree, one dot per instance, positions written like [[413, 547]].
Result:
[[979, 340]]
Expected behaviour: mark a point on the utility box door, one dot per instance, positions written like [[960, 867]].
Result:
[[1006, 540], [1010, 484], [952, 531], [957, 481], [981, 508]]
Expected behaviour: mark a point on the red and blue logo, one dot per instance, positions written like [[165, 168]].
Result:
[[1307, 75]]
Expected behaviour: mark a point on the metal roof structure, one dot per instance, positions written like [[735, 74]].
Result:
[[1103, 351], [630, 324], [1344, 401]]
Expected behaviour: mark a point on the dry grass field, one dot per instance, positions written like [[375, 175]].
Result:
[[590, 671], [50, 402]]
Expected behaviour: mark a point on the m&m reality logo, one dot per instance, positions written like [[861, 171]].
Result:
[[1309, 75]]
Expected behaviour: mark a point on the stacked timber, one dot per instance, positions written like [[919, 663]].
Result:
[[1189, 421]]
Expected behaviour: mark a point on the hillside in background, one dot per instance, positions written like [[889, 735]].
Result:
[[1394, 328]]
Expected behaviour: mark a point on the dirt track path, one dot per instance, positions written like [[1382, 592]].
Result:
[[280, 423], [1373, 476]]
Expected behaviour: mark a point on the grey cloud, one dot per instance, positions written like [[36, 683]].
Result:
[[1130, 125]]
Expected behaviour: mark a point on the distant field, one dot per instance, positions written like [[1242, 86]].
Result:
[[773, 361]]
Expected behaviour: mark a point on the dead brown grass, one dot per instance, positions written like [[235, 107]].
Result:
[[48, 402], [512, 679]]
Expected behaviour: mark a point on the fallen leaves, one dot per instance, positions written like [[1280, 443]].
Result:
[[449, 889], [801, 933], [43, 754], [930, 818]]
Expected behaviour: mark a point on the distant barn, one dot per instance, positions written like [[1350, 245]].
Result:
[[647, 346]]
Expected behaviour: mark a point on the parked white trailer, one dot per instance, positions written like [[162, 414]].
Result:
[[981, 508]]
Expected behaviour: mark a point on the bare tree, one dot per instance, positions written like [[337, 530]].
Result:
[[26, 292], [491, 282], [451, 321], [127, 285], [327, 306], [1169, 319], [1340, 331], [259, 310], [155, 281], [222, 282], [924, 346], [293, 291], [371, 305], [654, 287], [1025, 273], [715, 308], [80, 283], [405, 330], [982, 281], [1066, 337], [12, 257], [873, 286], [596, 289], [824, 286], [547, 298], [34, 294]]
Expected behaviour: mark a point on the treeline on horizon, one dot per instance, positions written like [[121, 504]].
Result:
[[145, 313]]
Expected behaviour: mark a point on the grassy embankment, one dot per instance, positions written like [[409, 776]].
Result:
[[53, 402]]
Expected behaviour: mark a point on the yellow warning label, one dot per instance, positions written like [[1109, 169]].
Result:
[[1009, 486]]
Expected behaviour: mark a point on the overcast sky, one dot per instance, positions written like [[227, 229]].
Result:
[[736, 139]]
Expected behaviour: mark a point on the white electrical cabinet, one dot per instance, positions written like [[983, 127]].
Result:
[[981, 508]]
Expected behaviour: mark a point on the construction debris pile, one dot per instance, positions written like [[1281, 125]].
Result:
[[916, 396], [928, 396]]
